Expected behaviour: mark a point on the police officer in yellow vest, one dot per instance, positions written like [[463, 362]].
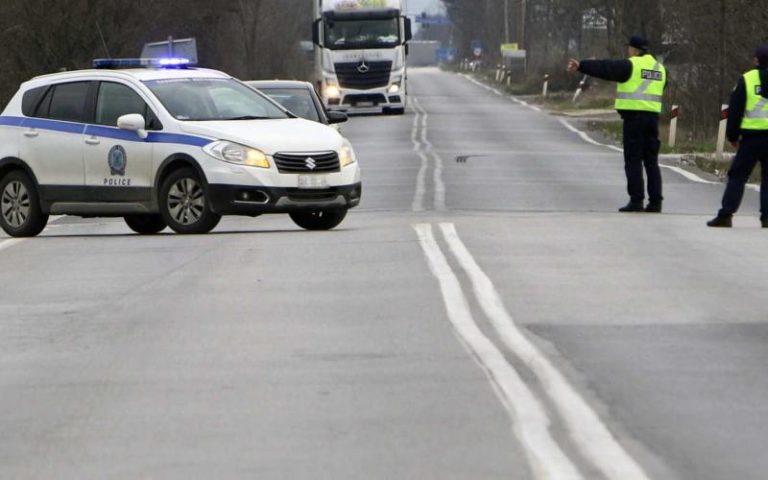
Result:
[[641, 81], [748, 131]]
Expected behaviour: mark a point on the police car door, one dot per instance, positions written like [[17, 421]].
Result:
[[118, 163], [51, 140]]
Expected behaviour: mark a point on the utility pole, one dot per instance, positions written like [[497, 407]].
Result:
[[523, 8], [506, 21]]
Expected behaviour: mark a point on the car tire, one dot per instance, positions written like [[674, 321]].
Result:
[[185, 205], [319, 219], [146, 224], [20, 211]]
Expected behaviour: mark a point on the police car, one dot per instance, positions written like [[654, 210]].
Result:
[[163, 144]]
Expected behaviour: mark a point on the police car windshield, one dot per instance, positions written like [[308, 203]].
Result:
[[213, 99]]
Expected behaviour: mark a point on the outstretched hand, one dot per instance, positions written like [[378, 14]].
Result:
[[573, 65]]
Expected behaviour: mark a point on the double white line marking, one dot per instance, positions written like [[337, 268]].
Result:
[[424, 149], [529, 416]]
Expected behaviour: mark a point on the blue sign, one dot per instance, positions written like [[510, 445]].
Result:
[[446, 55], [433, 20]]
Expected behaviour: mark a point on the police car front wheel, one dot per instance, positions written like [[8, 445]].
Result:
[[20, 212], [319, 219], [184, 203]]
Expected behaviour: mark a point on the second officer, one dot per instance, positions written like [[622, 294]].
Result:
[[641, 81]]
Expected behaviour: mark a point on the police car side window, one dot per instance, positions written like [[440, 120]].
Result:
[[31, 100], [69, 102], [115, 100]]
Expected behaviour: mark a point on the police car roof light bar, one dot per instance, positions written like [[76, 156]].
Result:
[[117, 63]]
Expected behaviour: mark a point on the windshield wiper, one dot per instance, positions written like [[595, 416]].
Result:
[[248, 117]]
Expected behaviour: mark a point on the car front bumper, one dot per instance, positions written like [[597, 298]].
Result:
[[251, 200]]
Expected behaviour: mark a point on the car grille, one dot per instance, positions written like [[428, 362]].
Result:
[[377, 76], [307, 163], [375, 99]]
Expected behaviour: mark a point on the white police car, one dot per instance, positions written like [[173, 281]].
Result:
[[162, 146]]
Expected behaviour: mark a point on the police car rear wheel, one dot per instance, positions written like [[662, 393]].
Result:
[[184, 203], [319, 219], [146, 224], [20, 212]]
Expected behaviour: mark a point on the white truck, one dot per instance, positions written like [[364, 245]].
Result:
[[360, 59]]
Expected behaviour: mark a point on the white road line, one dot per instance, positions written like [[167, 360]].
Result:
[[418, 197], [439, 194], [584, 136], [685, 173], [590, 435], [530, 421]]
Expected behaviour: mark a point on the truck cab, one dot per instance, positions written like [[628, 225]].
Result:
[[360, 63]]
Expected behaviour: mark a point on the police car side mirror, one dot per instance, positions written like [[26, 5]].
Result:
[[337, 117], [135, 123]]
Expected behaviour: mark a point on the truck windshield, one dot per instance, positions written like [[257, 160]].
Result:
[[362, 34], [210, 99]]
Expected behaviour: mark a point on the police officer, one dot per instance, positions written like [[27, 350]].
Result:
[[641, 81], [748, 132]]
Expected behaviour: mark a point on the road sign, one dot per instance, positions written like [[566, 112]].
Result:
[[445, 55]]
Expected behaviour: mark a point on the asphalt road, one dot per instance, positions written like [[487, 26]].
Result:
[[485, 314]]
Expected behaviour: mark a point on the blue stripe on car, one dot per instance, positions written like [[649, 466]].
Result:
[[102, 131]]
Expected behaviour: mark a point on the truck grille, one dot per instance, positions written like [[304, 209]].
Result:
[[376, 75], [307, 163]]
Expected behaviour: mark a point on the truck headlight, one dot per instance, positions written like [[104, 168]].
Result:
[[332, 91], [394, 88], [231, 152], [347, 155]]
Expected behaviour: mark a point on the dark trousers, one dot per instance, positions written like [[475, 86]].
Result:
[[751, 151], [641, 150]]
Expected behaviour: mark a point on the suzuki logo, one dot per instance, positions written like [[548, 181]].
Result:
[[310, 163], [363, 67]]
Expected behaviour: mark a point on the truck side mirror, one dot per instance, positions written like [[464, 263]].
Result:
[[316, 32], [408, 30]]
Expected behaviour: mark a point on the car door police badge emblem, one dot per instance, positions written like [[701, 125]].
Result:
[[118, 160]]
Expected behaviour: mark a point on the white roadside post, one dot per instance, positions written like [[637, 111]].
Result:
[[498, 73], [673, 126], [582, 86], [545, 88], [721, 132]]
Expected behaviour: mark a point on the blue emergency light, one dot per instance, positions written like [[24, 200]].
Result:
[[117, 63]]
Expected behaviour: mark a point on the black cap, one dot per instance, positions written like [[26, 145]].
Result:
[[639, 42], [762, 55]]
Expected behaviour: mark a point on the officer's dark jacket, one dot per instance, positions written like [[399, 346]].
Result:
[[618, 71], [737, 106]]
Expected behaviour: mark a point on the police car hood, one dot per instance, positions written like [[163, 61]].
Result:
[[271, 136]]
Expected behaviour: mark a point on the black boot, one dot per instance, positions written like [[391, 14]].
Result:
[[764, 221], [722, 222], [632, 207], [653, 207]]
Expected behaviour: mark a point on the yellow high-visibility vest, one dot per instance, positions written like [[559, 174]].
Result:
[[644, 91], [756, 112]]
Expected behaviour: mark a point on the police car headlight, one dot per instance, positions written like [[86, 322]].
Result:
[[235, 153], [347, 155]]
